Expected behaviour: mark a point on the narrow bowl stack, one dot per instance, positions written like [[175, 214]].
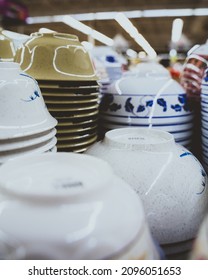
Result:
[[26, 126], [204, 118], [68, 83]]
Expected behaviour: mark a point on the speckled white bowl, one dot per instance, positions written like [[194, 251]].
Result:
[[169, 179]]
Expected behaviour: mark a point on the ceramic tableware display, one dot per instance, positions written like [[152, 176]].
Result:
[[204, 119], [69, 206], [26, 126], [169, 179], [68, 83], [148, 96]]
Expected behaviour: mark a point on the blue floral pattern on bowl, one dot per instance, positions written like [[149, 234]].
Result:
[[110, 103]]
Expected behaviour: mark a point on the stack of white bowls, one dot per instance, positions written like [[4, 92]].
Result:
[[148, 97], [25, 124], [204, 118], [70, 207]]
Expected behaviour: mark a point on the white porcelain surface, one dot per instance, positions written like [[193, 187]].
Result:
[[14, 145], [137, 120], [204, 117], [178, 131], [22, 108], [142, 96], [35, 149], [149, 69], [147, 95], [169, 179], [69, 207]]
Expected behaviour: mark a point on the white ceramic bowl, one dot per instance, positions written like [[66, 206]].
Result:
[[167, 127], [22, 108], [26, 141], [68, 206], [149, 69], [149, 95], [178, 131], [46, 146], [165, 175], [146, 120]]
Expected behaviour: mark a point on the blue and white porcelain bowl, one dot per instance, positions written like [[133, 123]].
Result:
[[22, 109], [144, 98], [169, 179]]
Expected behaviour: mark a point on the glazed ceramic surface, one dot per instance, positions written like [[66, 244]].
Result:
[[204, 118], [169, 179], [142, 96], [193, 70], [40, 148], [5, 145], [22, 108], [69, 207], [55, 56], [147, 96]]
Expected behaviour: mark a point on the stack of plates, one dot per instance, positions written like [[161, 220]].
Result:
[[204, 119], [68, 84], [75, 106]]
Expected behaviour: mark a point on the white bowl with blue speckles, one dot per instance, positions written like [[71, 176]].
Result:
[[169, 179]]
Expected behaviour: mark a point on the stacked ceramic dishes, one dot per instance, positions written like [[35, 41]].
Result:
[[66, 210], [204, 119], [148, 97], [68, 83], [26, 126]]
